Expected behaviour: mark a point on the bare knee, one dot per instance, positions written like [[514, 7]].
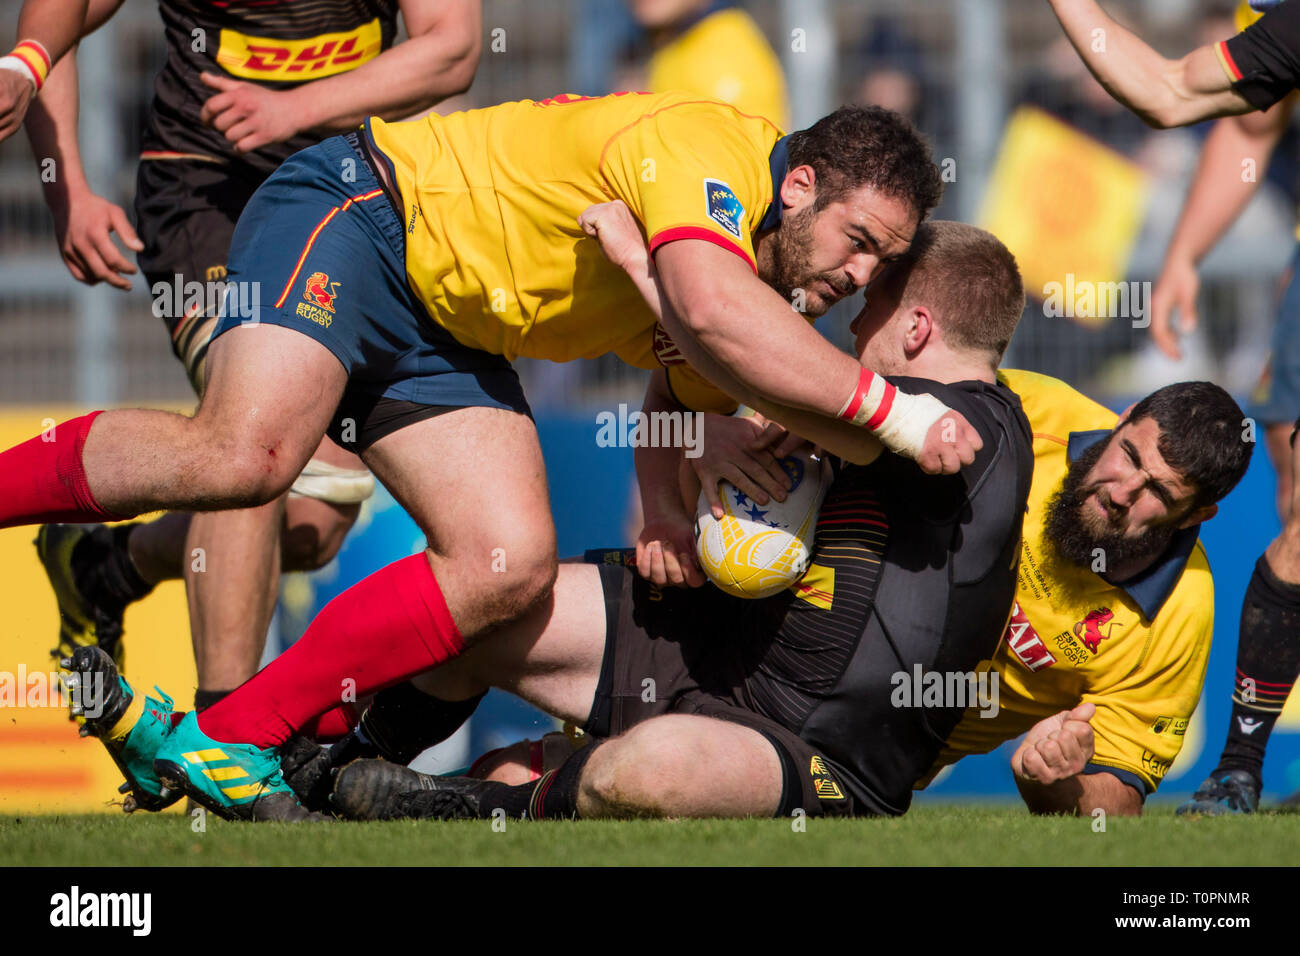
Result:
[[241, 465], [254, 476], [682, 766], [503, 580], [631, 776], [533, 582]]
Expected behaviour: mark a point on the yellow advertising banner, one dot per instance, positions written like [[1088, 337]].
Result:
[[1070, 210], [45, 767]]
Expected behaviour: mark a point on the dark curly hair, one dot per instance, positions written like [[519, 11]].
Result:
[[1202, 436], [868, 146]]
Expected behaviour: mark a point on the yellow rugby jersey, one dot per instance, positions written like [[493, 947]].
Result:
[[724, 56], [491, 201], [1138, 651]]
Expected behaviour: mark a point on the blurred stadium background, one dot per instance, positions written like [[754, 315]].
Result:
[[962, 69]]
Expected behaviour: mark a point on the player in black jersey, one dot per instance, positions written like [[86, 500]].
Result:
[[702, 704], [246, 83], [1251, 71]]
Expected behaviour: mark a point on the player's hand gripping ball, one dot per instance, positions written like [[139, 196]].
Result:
[[755, 552]]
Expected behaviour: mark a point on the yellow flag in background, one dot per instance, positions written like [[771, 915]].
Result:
[[1068, 208]]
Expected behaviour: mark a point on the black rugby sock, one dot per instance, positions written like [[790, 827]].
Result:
[[552, 797], [403, 721], [1268, 663], [203, 699], [103, 569]]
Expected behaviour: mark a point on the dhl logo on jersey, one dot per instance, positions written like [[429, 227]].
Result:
[[268, 58]]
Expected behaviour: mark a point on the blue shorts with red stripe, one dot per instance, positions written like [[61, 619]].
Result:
[[325, 250]]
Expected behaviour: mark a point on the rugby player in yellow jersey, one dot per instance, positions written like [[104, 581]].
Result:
[[401, 268], [243, 86], [1115, 602], [715, 49]]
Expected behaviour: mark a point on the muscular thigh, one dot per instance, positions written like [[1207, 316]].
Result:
[[474, 481]]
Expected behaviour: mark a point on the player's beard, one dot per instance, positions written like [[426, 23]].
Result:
[[1080, 537], [792, 264]]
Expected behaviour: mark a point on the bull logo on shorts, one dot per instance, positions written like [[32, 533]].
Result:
[[1089, 629], [320, 291]]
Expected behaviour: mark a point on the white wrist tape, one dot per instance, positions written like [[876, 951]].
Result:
[[908, 422], [899, 420]]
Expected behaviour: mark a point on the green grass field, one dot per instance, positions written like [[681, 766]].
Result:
[[929, 835]]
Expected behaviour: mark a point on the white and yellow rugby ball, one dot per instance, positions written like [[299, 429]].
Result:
[[755, 552]]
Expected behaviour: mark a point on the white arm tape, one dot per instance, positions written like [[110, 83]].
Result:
[[909, 420]]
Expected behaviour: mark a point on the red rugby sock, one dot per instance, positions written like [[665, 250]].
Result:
[[42, 480], [382, 630], [333, 724]]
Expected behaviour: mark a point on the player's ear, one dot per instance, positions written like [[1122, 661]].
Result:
[[799, 187], [1123, 416], [1199, 516], [917, 330]]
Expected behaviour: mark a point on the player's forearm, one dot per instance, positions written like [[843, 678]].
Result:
[[1081, 795], [841, 439], [1162, 92], [52, 129], [745, 333], [658, 469], [847, 441], [404, 80], [55, 24], [1221, 189]]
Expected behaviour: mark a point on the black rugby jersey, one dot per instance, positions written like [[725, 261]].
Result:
[[1264, 59], [274, 43], [908, 571]]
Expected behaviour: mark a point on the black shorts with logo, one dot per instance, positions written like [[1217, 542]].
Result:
[[186, 210], [657, 661]]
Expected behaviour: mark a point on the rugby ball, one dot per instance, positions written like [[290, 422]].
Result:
[[753, 551]]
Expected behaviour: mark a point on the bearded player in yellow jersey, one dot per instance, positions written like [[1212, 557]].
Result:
[[1115, 602], [400, 269]]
